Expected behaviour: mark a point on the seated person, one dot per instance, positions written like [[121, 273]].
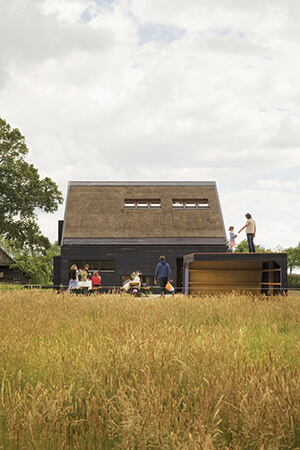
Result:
[[135, 282], [73, 278], [96, 280], [89, 274]]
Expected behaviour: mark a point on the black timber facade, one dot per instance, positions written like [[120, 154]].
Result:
[[128, 258]]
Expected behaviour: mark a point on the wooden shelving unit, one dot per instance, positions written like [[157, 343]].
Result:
[[246, 273]]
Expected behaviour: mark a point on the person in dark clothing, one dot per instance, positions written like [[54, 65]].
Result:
[[163, 274], [88, 273], [73, 278]]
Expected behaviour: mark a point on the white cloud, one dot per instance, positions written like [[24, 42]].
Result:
[[286, 137], [277, 214], [279, 186], [132, 89]]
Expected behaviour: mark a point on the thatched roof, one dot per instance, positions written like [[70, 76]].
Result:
[[114, 210], [5, 260]]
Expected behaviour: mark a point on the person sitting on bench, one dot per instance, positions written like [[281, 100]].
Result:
[[96, 281]]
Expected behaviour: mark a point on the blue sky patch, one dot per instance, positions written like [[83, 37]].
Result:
[[103, 3], [86, 16], [220, 32], [160, 33]]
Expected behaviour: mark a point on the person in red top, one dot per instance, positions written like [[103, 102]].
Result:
[[96, 280]]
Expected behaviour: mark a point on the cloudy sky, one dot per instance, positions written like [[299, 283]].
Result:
[[161, 90]]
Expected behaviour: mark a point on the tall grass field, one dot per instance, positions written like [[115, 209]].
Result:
[[116, 372]]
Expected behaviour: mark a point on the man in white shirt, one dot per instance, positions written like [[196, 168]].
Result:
[[250, 226]]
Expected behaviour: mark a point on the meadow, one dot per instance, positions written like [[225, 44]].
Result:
[[111, 372]]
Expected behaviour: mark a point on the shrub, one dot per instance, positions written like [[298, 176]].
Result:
[[294, 281]]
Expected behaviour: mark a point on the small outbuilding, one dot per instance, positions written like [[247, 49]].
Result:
[[8, 275]]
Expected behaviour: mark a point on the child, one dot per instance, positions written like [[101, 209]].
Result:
[[232, 237], [96, 280]]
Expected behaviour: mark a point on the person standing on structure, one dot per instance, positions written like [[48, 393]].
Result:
[[163, 274], [250, 226]]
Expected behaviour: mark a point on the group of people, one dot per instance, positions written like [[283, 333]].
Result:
[[250, 227], [83, 275], [163, 275]]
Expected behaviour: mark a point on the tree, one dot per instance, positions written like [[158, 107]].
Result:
[[242, 247], [36, 265], [293, 257], [22, 192]]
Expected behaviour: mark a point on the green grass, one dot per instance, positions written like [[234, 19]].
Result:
[[121, 372], [10, 287]]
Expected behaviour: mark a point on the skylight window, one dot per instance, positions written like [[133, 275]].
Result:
[[178, 204], [190, 203], [203, 204], [142, 204], [129, 204], [155, 204]]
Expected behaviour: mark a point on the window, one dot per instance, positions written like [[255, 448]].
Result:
[[93, 264], [129, 204], [203, 203], [155, 204], [190, 203], [142, 203], [178, 204], [105, 265], [108, 265], [16, 279], [145, 280], [78, 262]]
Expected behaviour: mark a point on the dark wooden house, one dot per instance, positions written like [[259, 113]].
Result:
[[120, 227], [8, 275]]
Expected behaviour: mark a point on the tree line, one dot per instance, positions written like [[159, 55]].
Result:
[[293, 253], [22, 193]]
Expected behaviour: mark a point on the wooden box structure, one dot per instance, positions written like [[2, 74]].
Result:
[[257, 273]]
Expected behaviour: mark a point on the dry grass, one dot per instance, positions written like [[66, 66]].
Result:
[[109, 372]]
